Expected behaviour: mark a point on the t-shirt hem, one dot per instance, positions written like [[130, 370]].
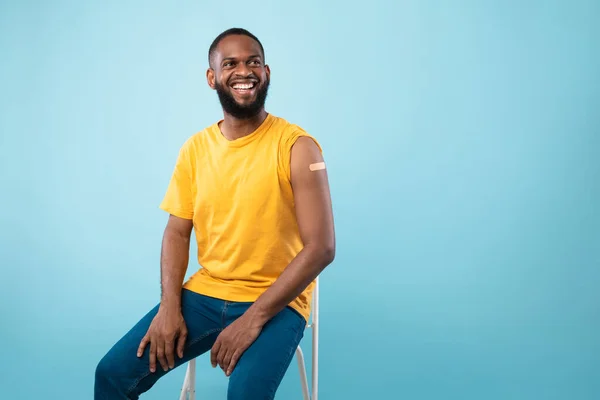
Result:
[[228, 293], [177, 212]]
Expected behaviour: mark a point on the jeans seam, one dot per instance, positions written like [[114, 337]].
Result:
[[147, 373], [224, 315], [288, 361]]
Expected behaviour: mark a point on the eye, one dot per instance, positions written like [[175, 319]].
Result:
[[227, 64], [255, 62]]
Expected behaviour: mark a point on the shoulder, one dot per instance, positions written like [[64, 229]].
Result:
[[286, 127], [295, 144], [292, 135], [194, 143]]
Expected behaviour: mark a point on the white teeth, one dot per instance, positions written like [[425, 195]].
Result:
[[243, 86]]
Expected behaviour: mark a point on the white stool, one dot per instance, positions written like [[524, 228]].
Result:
[[188, 391]]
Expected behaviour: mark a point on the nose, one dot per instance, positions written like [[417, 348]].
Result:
[[242, 69]]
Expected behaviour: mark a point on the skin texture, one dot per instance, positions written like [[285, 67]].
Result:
[[239, 58]]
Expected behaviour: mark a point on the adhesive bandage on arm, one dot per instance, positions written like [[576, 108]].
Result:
[[317, 166]]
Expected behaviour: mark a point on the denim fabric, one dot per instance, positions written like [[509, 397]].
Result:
[[122, 375]]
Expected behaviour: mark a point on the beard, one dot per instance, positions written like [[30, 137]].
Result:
[[239, 111]]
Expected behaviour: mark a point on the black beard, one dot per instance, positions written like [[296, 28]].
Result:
[[233, 108]]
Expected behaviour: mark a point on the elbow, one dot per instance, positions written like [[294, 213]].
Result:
[[325, 254], [329, 254]]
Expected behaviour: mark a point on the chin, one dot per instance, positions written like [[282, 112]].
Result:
[[246, 102]]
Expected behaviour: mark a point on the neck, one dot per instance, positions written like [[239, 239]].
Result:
[[233, 128]]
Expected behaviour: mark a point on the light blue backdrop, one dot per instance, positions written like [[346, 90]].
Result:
[[463, 145]]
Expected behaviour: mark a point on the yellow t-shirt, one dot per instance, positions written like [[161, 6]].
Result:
[[239, 196]]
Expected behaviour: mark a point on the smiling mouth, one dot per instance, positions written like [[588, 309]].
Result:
[[245, 87]]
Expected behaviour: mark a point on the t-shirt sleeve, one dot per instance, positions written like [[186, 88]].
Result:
[[179, 199], [285, 149]]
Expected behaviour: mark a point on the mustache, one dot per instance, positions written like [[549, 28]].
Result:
[[231, 106], [239, 78]]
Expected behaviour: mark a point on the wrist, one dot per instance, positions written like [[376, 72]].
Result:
[[257, 316], [170, 304]]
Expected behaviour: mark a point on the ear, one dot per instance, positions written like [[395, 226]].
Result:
[[210, 78], [268, 71]]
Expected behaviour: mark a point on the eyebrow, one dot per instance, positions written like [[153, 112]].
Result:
[[234, 58]]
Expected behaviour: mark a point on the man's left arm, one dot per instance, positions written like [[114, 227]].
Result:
[[315, 221], [314, 215]]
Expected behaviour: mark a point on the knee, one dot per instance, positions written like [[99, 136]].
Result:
[[107, 380], [251, 386], [103, 370]]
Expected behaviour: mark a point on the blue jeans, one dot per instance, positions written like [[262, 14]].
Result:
[[122, 375]]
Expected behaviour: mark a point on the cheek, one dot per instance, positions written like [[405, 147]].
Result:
[[223, 79]]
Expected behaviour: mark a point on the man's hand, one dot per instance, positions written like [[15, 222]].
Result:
[[166, 328], [233, 342], [168, 325]]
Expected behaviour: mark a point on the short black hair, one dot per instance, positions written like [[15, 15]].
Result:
[[229, 32]]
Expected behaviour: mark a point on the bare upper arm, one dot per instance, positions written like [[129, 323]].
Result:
[[179, 226], [312, 194]]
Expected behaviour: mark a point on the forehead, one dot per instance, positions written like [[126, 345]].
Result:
[[237, 46]]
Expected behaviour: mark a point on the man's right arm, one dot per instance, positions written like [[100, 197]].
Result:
[[167, 332], [174, 261]]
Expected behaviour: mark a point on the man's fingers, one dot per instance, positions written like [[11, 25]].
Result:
[[214, 352], [143, 345], [160, 355], [233, 362], [226, 360], [181, 343], [169, 353], [152, 356], [221, 357]]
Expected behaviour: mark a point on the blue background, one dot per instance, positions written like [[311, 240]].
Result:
[[462, 140]]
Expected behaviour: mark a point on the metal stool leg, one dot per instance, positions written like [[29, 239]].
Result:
[[314, 325], [188, 391], [315, 342], [302, 370]]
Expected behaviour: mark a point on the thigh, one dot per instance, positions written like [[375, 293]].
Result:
[[261, 368], [131, 374]]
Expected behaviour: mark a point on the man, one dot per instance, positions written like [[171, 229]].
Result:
[[254, 188]]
